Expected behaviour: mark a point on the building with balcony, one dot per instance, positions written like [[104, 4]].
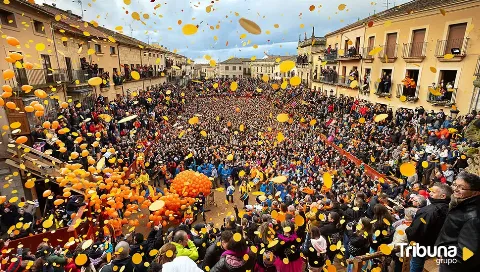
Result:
[[423, 58], [307, 51], [61, 52], [269, 65], [233, 68], [176, 66]]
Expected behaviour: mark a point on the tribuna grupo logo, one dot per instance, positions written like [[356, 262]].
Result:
[[444, 254]]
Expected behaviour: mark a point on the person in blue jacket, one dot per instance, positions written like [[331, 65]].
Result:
[[225, 174]]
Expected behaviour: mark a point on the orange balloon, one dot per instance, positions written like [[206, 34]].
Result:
[[62, 149], [7, 88], [39, 113], [21, 140], [33, 103], [8, 74], [16, 56], [40, 93], [55, 124], [12, 41], [38, 107], [58, 202], [64, 105], [46, 125], [46, 193], [9, 59], [29, 109], [6, 94], [28, 65], [27, 88], [11, 105], [2, 102]]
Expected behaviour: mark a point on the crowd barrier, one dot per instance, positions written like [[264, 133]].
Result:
[[368, 169]]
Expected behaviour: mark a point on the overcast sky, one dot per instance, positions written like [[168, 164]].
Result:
[[164, 27]]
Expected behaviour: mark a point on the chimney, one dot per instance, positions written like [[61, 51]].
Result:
[[54, 5]]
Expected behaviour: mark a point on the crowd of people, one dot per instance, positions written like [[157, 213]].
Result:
[[305, 205]]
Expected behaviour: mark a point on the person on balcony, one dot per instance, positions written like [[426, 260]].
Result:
[[409, 86]]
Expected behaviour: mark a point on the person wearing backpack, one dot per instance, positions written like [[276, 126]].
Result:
[[265, 258]]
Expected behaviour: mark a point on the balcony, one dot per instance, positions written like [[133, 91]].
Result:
[[476, 82], [76, 77], [330, 57], [366, 57], [414, 52], [328, 79], [438, 96], [145, 74], [351, 54], [456, 47], [409, 94], [345, 81], [388, 53], [40, 77], [382, 90]]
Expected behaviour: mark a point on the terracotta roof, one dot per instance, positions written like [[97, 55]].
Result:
[[34, 6], [274, 58], [72, 22], [234, 61], [404, 9]]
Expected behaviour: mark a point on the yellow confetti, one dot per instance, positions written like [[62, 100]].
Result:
[[189, 29]]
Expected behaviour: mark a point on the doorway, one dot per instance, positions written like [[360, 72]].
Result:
[[456, 34], [446, 82], [47, 67], [385, 84], [68, 63]]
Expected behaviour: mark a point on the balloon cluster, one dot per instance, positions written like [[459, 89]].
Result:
[[118, 192], [190, 183]]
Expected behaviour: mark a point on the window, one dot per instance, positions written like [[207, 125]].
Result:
[[39, 27], [445, 86], [98, 48], [8, 18], [112, 50], [234, 68], [226, 68], [149, 54], [239, 68], [65, 43]]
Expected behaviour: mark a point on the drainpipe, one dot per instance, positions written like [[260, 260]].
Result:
[[119, 67], [361, 62], [56, 54], [141, 64]]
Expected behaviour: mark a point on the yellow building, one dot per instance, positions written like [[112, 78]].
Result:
[[270, 66], [438, 51], [306, 52], [61, 52], [233, 68]]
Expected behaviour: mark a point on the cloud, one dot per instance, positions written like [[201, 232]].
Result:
[[289, 15]]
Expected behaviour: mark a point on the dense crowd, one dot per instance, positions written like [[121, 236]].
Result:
[[305, 205]]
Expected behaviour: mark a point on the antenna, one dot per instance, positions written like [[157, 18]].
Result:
[[81, 5], [387, 3]]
